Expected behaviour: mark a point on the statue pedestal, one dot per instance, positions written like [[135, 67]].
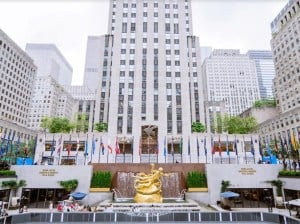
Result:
[[151, 198]]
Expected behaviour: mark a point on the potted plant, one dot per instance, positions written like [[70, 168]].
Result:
[[196, 181], [101, 181], [69, 185]]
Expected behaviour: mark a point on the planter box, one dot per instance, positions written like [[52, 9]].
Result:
[[198, 189], [100, 189]]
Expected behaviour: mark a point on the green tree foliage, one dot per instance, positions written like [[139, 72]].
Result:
[[265, 102], [69, 185], [238, 125], [82, 123], [196, 179], [198, 127], [101, 127], [224, 185], [57, 124]]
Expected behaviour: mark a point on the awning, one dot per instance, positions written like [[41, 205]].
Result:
[[229, 194], [78, 195]]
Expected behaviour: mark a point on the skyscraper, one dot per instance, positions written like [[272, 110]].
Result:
[[265, 71], [16, 87], [231, 77], [150, 81]]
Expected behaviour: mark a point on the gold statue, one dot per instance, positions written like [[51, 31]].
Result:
[[148, 186]]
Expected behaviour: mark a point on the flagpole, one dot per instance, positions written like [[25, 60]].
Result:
[[172, 148], [123, 149]]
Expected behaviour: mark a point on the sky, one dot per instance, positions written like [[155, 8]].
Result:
[[226, 24]]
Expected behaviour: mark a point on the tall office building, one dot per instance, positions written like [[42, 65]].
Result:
[[93, 58], [231, 77], [285, 46], [150, 81], [50, 61], [49, 99], [17, 73], [265, 71]]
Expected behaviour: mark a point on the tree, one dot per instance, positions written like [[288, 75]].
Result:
[[57, 124], [238, 125], [224, 185], [265, 102], [82, 123], [101, 127]]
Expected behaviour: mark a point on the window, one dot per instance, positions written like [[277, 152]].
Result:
[[132, 51], [155, 5], [144, 40], [123, 51], [168, 41], [167, 6], [145, 14], [176, 41], [124, 27], [132, 29], [133, 15], [144, 27], [155, 27], [167, 27], [176, 28], [155, 14], [155, 40], [132, 41], [177, 52], [168, 52], [131, 62]]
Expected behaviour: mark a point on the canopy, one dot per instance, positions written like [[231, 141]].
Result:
[[78, 195], [229, 194], [295, 202]]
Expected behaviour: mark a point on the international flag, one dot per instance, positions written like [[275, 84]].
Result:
[[52, 148], [140, 146], [295, 144], [102, 146], [59, 144], [268, 146], [235, 146], [132, 142], [93, 145], [252, 146], [110, 149], [117, 148], [26, 148], [282, 146], [276, 144], [205, 149], [78, 145], [219, 146], [86, 152], [198, 152], [7, 144], [180, 146], [165, 147], [17, 145], [227, 146], [172, 147], [123, 147], [212, 145], [157, 148], [69, 147]]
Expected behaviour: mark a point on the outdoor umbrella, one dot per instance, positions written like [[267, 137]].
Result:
[[295, 202], [78, 195], [229, 194]]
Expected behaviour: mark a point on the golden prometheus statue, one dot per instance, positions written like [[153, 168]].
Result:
[[148, 186]]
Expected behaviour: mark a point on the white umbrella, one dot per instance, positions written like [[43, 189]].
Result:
[[295, 202]]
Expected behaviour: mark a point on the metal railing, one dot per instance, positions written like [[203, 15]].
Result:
[[150, 217]]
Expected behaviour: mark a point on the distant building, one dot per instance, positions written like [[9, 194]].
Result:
[[265, 71], [94, 55], [50, 61], [85, 106], [285, 46], [50, 99], [230, 77], [205, 52], [17, 71]]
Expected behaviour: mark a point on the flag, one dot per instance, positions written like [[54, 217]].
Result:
[[17, 145], [110, 149], [78, 144], [157, 148], [165, 148], [205, 149], [140, 146], [172, 147], [117, 148], [268, 146], [180, 146], [282, 146], [227, 146], [212, 146], [27, 147], [86, 152], [93, 145], [276, 144], [198, 152], [235, 146], [132, 141], [69, 148], [252, 147], [59, 144], [189, 147], [52, 148], [102, 146], [295, 144]]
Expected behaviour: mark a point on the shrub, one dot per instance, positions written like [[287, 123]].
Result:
[[6, 173], [101, 179], [69, 185], [196, 179], [289, 173]]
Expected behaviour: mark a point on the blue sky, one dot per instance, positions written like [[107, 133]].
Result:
[[229, 24]]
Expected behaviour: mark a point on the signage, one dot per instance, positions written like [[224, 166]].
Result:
[[48, 172], [247, 171]]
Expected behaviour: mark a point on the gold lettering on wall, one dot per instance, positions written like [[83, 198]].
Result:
[[247, 171], [48, 172]]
